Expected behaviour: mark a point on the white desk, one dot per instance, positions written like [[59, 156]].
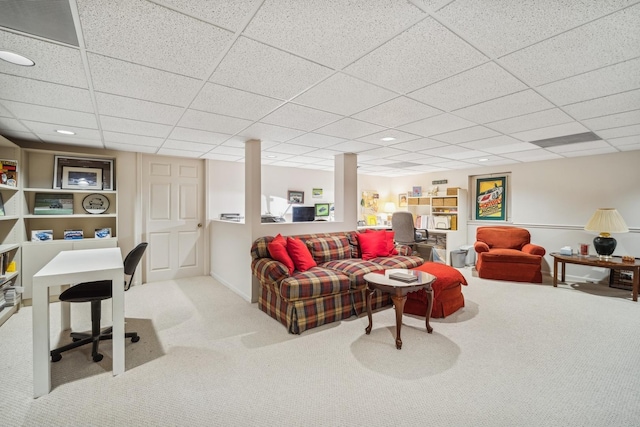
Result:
[[70, 267]]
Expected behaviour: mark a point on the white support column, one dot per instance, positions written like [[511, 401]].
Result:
[[252, 184], [346, 189]]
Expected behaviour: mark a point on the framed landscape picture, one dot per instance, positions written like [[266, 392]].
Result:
[[105, 165]]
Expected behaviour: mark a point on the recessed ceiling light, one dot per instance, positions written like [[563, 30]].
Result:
[[483, 160], [271, 156], [16, 59], [388, 138], [65, 132]]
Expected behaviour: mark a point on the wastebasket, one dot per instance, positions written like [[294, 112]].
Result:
[[458, 258], [471, 255]]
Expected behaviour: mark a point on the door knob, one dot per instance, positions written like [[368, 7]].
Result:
[[199, 225]]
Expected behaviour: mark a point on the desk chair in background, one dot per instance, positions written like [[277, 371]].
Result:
[[405, 232], [95, 292]]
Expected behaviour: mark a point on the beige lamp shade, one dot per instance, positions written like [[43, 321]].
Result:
[[390, 207], [605, 221]]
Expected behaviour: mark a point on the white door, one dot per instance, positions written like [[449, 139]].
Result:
[[173, 212]]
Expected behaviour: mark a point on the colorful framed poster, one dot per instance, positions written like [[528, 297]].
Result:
[[491, 199]]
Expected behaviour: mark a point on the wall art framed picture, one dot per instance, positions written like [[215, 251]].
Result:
[[53, 204], [81, 178], [106, 165], [491, 197], [402, 200], [295, 197]]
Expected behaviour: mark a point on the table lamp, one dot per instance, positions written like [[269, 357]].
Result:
[[389, 208], [606, 221]]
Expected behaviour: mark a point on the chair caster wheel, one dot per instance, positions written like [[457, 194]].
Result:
[[97, 357], [135, 339], [56, 357]]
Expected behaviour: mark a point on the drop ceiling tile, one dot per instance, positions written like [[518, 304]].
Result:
[[499, 145], [397, 112], [289, 149], [79, 141], [627, 140], [532, 155], [147, 34], [54, 63], [230, 151], [264, 131], [580, 146], [135, 127], [37, 113], [348, 128], [7, 123], [136, 109], [619, 132], [423, 54], [614, 120], [125, 138], [332, 32], [629, 147], [326, 154], [316, 140], [465, 135], [195, 119], [382, 152], [227, 14], [617, 103], [419, 144], [50, 129], [43, 93], [437, 125], [607, 41], [130, 147], [13, 134], [224, 100], [482, 83], [550, 132], [222, 157], [135, 81], [354, 146], [539, 119], [188, 146], [447, 151], [594, 84], [299, 117], [201, 136], [431, 5], [261, 69], [512, 148], [344, 94], [376, 138], [592, 152], [502, 26], [505, 107]]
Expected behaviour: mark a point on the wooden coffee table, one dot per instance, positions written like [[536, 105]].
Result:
[[399, 290]]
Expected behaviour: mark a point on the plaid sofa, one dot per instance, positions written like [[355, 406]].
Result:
[[331, 291]]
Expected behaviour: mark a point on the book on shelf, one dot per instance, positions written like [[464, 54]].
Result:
[[403, 277], [9, 172]]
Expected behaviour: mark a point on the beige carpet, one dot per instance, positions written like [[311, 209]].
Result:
[[516, 355]]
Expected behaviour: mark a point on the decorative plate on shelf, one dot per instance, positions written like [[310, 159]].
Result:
[[95, 203]]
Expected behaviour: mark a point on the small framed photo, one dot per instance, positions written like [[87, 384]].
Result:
[[41, 235], [417, 191], [81, 178], [322, 209], [73, 234], [402, 200], [103, 233], [295, 197]]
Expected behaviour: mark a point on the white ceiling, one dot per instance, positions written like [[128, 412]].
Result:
[[452, 81]]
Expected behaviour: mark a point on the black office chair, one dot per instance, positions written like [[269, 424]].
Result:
[[95, 292], [405, 232]]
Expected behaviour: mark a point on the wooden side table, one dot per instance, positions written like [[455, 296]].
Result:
[[614, 263], [399, 291]]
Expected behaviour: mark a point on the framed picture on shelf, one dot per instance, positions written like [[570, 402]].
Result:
[[102, 233], [81, 178], [41, 235], [402, 200], [295, 197], [53, 204], [73, 234], [322, 209], [105, 165]]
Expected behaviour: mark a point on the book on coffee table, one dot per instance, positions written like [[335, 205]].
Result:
[[403, 277]]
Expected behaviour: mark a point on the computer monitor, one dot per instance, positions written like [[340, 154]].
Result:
[[303, 214]]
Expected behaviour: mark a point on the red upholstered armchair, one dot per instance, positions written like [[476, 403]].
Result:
[[506, 253]]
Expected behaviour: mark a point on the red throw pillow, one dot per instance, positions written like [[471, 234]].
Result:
[[300, 254], [372, 244], [391, 246], [278, 251]]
